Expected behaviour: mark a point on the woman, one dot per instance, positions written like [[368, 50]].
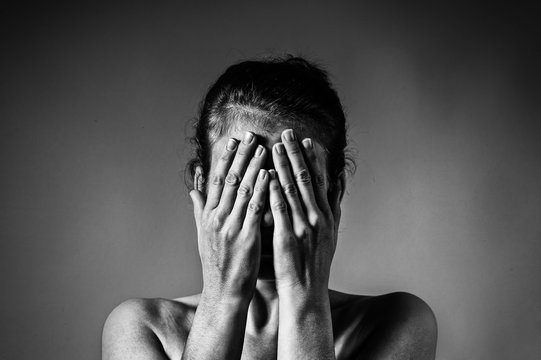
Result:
[[268, 180]]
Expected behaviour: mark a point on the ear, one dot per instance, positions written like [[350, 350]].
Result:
[[335, 199], [341, 185], [336, 194], [197, 195], [198, 179]]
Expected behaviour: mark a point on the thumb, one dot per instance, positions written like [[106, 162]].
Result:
[[198, 204]]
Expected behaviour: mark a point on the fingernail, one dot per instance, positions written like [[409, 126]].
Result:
[[272, 173], [262, 174], [289, 135], [259, 151], [248, 137], [231, 145], [279, 148], [307, 143]]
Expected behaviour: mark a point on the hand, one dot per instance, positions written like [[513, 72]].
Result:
[[305, 223], [228, 221]]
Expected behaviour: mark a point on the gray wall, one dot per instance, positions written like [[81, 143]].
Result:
[[444, 109]]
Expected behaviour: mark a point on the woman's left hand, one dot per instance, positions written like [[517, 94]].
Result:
[[305, 222]]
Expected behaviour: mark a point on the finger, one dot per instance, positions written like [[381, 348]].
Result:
[[236, 173], [284, 244], [289, 188], [319, 181], [217, 178], [301, 173], [248, 184], [256, 205], [278, 205]]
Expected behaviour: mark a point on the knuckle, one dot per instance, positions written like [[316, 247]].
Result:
[[245, 148], [279, 206], [274, 186], [283, 234], [283, 163], [205, 223], [294, 150], [304, 232], [285, 240], [226, 156], [290, 189], [255, 208], [253, 164], [218, 221], [218, 180], [244, 190], [229, 234], [303, 176], [314, 219], [232, 178]]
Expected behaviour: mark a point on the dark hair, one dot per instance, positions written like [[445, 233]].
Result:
[[274, 93]]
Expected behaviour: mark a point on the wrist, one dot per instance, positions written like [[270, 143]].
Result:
[[223, 301], [304, 301], [305, 326], [304, 294]]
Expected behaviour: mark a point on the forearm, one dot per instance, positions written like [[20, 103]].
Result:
[[217, 331], [305, 328]]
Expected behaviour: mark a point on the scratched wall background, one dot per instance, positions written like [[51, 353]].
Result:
[[444, 110]]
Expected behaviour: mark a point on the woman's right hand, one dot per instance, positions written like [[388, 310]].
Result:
[[228, 221]]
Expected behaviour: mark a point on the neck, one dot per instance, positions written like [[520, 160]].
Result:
[[263, 310]]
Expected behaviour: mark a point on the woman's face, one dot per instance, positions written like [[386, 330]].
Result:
[[267, 140]]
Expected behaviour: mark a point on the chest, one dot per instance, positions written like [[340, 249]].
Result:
[[265, 346], [260, 347], [262, 342]]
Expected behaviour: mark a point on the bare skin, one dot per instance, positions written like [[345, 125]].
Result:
[[267, 231]]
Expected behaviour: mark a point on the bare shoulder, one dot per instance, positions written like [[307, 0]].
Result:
[[396, 325], [148, 328]]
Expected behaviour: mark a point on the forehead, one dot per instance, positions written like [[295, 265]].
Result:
[[264, 135], [239, 128]]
